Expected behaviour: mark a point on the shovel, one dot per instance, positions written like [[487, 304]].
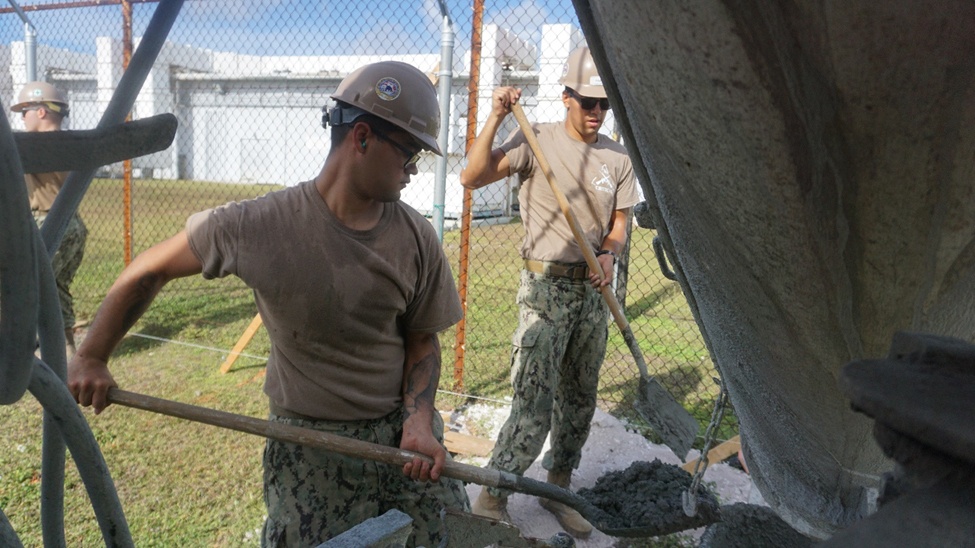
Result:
[[380, 453], [675, 426]]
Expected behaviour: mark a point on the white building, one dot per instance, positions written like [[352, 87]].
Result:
[[249, 119]]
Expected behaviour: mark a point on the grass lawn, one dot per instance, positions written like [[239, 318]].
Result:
[[184, 484]]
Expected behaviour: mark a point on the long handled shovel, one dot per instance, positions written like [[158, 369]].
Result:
[[600, 519], [676, 427]]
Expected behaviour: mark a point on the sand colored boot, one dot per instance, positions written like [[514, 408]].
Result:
[[490, 506], [569, 519]]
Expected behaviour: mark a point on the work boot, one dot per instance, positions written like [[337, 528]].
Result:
[[490, 506], [569, 519]]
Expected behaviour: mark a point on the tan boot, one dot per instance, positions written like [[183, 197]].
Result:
[[490, 506], [569, 519]]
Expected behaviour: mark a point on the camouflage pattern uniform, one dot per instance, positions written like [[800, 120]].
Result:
[[313, 495], [557, 352], [66, 261]]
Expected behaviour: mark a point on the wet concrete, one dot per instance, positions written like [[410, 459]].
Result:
[[647, 495], [751, 526]]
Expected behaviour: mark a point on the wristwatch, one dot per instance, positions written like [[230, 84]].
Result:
[[604, 252]]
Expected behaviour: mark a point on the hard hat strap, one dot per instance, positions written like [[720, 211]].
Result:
[[340, 115]]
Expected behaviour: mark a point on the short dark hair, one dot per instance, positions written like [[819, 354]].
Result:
[[375, 123]]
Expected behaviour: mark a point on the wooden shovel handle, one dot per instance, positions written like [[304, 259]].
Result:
[[587, 252], [295, 434], [358, 449]]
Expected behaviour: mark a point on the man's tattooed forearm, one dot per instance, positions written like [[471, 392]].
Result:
[[421, 384]]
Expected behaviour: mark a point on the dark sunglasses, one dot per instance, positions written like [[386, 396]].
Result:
[[411, 157], [589, 103]]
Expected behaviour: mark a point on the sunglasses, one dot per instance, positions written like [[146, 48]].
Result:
[[411, 157], [589, 103], [23, 113]]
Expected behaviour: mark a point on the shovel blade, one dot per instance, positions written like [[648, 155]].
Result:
[[675, 426]]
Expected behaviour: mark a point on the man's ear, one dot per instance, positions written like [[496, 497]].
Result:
[[359, 132]]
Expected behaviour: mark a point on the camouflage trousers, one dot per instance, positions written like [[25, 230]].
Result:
[[556, 355], [66, 261], [313, 495]]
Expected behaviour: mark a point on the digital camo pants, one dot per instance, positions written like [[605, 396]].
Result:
[[312, 495], [557, 352], [66, 261]]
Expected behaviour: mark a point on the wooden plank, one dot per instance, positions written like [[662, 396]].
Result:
[[467, 445], [717, 454], [241, 343], [464, 444]]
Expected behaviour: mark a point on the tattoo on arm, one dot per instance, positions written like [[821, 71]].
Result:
[[148, 288], [421, 383]]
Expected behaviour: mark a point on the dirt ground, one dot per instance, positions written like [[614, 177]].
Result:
[[610, 448]]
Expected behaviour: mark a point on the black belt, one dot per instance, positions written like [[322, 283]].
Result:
[[559, 270]]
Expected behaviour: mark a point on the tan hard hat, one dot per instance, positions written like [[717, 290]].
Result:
[[36, 93], [398, 93], [580, 74]]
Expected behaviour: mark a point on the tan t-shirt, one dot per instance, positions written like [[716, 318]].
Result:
[[43, 188], [335, 301], [597, 179]]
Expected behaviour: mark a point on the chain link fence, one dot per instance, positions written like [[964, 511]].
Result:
[[247, 81]]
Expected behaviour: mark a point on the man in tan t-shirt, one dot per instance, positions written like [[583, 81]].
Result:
[[44, 108], [353, 287], [561, 338]]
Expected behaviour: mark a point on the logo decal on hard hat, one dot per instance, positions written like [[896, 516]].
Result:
[[388, 89], [36, 92]]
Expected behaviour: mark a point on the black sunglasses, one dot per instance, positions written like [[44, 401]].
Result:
[[411, 157], [589, 103]]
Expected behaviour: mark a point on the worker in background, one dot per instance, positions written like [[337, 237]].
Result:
[[44, 108], [353, 288], [560, 341]]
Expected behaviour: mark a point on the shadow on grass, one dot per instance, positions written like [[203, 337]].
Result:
[[172, 319], [650, 301], [494, 383], [688, 383]]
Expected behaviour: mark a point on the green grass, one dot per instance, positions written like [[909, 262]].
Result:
[[184, 484], [180, 483]]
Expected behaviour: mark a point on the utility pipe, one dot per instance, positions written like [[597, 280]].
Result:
[[445, 79], [30, 42]]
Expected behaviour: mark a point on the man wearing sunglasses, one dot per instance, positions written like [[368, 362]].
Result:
[[561, 337], [353, 288], [44, 108]]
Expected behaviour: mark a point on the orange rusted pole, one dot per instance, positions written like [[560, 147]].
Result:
[[127, 164], [465, 224]]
